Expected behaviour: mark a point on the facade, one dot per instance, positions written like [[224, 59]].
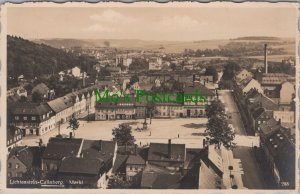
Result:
[[252, 84], [114, 111], [279, 153], [287, 93], [19, 162], [33, 118], [75, 72], [242, 75], [196, 109], [14, 137], [63, 109], [135, 165], [168, 110], [42, 90]]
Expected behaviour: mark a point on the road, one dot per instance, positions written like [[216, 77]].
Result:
[[252, 175]]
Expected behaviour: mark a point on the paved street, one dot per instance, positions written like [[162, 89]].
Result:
[[252, 175]]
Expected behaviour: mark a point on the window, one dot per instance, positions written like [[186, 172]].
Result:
[[16, 118], [17, 166], [33, 118], [25, 118], [9, 174], [9, 165]]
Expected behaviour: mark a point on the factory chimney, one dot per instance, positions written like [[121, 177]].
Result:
[[266, 60]]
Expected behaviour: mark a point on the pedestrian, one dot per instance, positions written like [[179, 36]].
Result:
[[178, 135], [140, 143], [150, 133]]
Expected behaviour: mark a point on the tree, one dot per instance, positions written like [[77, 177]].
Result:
[[229, 70], [216, 107], [133, 80], [123, 135], [118, 182], [219, 132], [36, 97], [73, 124], [211, 70]]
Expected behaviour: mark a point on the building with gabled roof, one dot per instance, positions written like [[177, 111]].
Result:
[[33, 118], [23, 161], [243, 74], [14, 137], [90, 161], [279, 151]]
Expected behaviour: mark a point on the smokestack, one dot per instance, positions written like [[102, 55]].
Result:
[[266, 60], [169, 149]]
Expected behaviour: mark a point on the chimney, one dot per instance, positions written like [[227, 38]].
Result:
[[279, 121], [135, 149], [266, 60], [100, 145], [169, 149], [70, 136], [204, 143]]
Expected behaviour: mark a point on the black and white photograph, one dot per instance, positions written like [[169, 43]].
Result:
[[174, 96]]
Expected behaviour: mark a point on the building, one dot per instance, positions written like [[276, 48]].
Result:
[[135, 164], [24, 162], [42, 90], [287, 93], [75, 71], [196, 109], [115, 111], [279, 152], [63, 109], [260, 116], [88, 161], [247, 84], [17, 91], [14, 137], [242, 75], [57, 149], [33, 118], [168, 110]]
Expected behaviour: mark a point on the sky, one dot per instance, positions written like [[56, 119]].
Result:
[[151, 23]]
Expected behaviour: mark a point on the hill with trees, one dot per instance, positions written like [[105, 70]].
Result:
[[33, 60]]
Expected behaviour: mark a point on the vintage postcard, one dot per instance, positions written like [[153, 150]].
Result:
[[177, 97]]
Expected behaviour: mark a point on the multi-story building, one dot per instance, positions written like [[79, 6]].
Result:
[[196, 107], [115, 111], [63, 109], [33, 118], [14, 137]]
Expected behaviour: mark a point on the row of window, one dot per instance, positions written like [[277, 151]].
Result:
[[16, 138], [16, 166]]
